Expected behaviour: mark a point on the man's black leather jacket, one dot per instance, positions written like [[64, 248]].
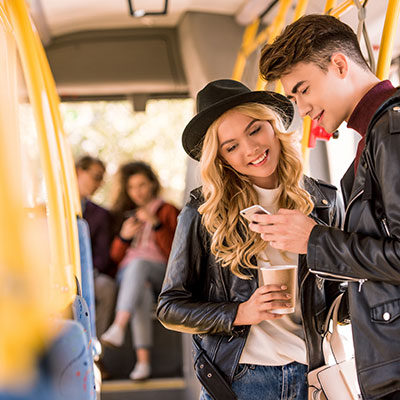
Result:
[[368, 252], [201, 297]]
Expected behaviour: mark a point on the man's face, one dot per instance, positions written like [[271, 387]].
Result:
[[323, 95], [89, 180]]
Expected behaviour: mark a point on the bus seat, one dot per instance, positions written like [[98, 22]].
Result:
[[65, 372], [81, 314], [71, 364], [87, 280], [42, 388]]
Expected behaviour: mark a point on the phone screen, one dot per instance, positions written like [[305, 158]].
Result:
[[129, 213]]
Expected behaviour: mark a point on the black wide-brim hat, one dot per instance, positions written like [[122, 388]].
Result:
[[220, 96]]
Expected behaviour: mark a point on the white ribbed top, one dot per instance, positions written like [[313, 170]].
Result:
[[275, 342]]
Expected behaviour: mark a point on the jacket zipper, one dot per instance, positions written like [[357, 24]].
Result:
[[302, 319], [342, 277], [350, 204], [385, 226]]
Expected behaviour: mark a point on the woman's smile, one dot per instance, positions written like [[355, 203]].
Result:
[[258, 162]]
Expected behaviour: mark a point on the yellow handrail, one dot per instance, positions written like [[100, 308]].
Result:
[[389, 31], [341, 8], [248, 37], [298, 12], [276, 28], [329, 5], [300, 9], [305, 150], [63, 278], [68, 182], [24, 254]]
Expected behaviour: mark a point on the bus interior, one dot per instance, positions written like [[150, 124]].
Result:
[[65, 62]]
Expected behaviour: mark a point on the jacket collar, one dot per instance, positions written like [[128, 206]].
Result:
[[367, 106], [394, 99]]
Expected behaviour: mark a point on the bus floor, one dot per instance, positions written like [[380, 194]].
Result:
[[166, 380], [151, 389]]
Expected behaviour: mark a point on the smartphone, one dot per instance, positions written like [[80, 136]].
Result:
[[129, 213], [250, 211]]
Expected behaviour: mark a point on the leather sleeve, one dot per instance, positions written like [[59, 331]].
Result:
[[182, 304], [358, 255]]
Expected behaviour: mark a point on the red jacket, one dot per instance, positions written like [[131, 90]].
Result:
[[167, 215]]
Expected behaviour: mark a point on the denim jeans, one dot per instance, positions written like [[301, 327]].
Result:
[[136, 295], [258, 382]]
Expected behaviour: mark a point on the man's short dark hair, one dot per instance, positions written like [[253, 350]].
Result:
[[311, 39], [86, 162]]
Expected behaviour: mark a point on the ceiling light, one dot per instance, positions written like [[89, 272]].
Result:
[[143, 13]]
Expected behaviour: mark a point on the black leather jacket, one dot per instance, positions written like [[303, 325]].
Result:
[[201, 297], [368, 251]]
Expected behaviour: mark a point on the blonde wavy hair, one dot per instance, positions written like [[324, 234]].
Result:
[[226, 192]]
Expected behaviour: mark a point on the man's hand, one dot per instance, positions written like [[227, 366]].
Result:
[[287, 230]]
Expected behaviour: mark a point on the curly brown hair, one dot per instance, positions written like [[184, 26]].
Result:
[[122, 201], [311, 39]]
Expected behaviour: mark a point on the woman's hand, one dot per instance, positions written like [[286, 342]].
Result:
[[143, 214], [130, 228], [258, 307]]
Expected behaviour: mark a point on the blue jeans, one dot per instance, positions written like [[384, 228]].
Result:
[[258, 382], [137, 281]]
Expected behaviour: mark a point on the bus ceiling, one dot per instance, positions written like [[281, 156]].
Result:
[[96, 49]]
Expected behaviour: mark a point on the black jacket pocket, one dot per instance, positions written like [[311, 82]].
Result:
[[386, 313]]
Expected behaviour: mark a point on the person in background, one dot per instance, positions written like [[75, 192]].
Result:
[[146, 227], [213, 288], [321, 67], [90, 172]]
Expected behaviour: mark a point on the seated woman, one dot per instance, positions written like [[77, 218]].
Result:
[[213, 288], [147, 227]]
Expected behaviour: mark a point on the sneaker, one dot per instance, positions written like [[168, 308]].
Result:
[[113, 336], [140, 372]]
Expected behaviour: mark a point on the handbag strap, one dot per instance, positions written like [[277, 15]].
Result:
[[334, 339]]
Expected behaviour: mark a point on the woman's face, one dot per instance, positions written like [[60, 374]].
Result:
[[140, 189], [251, 147]]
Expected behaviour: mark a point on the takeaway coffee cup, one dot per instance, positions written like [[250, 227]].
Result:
[[282, 275]]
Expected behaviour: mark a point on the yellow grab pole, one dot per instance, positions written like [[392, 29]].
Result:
[[24, 255], [298, 12], [305, 150], [276, 28], [329, 5], [389, 31], [61, 268], [300, 9], [72, 207], [248, 38], [342, 7]]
